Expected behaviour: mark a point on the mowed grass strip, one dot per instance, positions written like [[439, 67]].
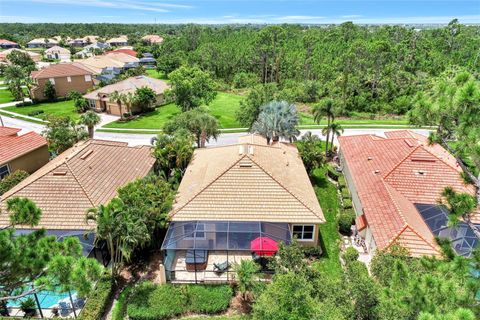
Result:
[[5, 96], [223, 107], [60, 108]]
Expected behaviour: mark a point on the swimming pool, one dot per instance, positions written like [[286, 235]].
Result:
[[47, 299]]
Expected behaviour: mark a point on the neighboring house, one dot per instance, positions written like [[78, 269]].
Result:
[[35, 56], [7, 44], [42, 43], [82, 42], [152, 38], [130, 52], [396, 184], [58, 53], [100, 101], [97, 64], [232, 198], [147, 60], [118, 42], [83, 177], [26, 152], [65, 77], [92, 49]]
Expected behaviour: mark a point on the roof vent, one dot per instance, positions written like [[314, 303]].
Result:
[[423, 159], [421, 173], [250, 150], [60, 173], [86, 154], [370, 158], [376, 171]]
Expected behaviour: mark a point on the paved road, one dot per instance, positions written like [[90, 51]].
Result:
[[144, 139]]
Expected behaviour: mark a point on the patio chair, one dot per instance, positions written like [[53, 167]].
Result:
[[64, 307], [221, 267]]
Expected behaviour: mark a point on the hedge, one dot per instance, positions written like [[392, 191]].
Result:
[[347, 203], [118, 312], [345, 193], [97, 302], [341, 182], [332, 173], [149, 301]]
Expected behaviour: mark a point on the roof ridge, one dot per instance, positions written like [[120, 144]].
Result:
[[397, 235], [80, 184], [401, 161], [394, 201], [280, 184], [205, 187]]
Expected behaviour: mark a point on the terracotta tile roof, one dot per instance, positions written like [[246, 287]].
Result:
[[82, 177], [390, 175], [130, 85], [8, 131], [4, 42], [247, 182], [13, 146], [130, 52], [60, 70], [119, 39]]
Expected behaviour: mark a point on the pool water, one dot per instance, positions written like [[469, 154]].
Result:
[[47, 299]]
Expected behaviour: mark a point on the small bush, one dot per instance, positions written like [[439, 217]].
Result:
[[345, 223], [312, 252], [332, 173], [12, 180], [347, 203], [118, 312], [350, 255], [345, 193], [97, 301], [341, 182], [209, 299], [35, 113]]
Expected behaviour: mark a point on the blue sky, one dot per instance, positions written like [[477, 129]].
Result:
[[234, 11]]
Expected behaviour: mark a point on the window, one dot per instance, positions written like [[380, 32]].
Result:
[[88, 78], [69, 79], [303, 232], [4, 171], [52, 80], [188, 229]]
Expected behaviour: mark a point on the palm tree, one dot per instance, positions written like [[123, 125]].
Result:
[[14, 76], [90, 119], [310, 137], [335, 129], [277, 119], [128, 99], [247, 277], [118, 98], [325, 109]]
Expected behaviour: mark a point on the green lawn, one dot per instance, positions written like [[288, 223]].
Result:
[[155, 74], [223, 108], [328, 198], [61, 108], [5, 96]]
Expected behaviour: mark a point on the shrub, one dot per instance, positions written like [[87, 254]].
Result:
[[244, 80], [345, 223], [97, 301], [149, 301], [29, 307], [35, 113], [332, 173], [209, 299], [345, 193], [350, 255], [118, 312], [347, 203], [341, 182], [12, 180], [312, 252]]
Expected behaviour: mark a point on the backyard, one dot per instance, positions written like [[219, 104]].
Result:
[[59, 108]]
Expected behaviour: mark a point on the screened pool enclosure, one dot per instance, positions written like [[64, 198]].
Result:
[[205, 251]]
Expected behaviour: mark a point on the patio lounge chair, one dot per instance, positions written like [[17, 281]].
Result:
[[221, 267], [64, 307]]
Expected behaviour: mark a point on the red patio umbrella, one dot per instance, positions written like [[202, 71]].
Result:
[[264, 246]]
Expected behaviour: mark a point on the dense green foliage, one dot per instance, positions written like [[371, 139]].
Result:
[[62, 133], [12, 180], [149, 301], [98, 300], [49, 91], [120, 309]]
